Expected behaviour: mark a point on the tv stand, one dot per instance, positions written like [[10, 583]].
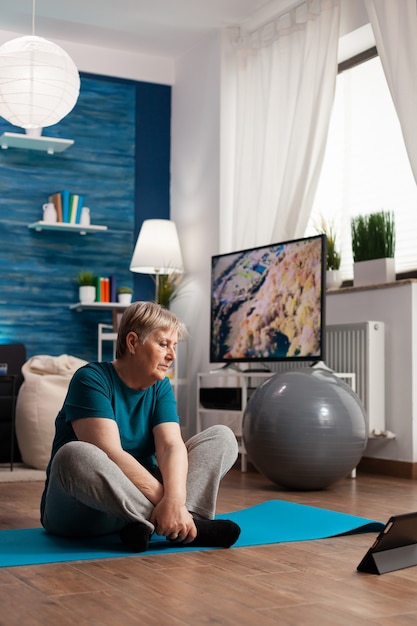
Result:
[[222, 396], [264, 369], [321, 365], [226, 366]]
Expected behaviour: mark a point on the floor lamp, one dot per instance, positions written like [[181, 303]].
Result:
[[157, 250]]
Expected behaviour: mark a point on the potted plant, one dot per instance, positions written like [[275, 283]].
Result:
[[373, 248], [124, 294], [168, 287], [86, 287], [333, 258]]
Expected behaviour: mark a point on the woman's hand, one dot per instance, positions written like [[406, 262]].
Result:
[[172, 520]]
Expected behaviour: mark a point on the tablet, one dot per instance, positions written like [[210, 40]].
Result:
[[394, 548]]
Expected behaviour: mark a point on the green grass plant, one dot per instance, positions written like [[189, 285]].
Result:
[[373, 236]]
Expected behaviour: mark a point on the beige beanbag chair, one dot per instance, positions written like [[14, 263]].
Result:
[[40, 397]]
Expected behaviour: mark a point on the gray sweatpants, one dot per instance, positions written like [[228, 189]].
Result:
[[89, 495]]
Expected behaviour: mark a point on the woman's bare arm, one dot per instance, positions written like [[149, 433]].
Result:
[[170, 516]]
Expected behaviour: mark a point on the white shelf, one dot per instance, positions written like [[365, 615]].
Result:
[[98, 306], [64, 226], [203, 411], [46, 144]]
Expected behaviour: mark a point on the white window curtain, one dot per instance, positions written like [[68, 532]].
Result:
[[283, 86], [395, 29]]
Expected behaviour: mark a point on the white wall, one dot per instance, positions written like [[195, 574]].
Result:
[[195, 193], [395, 305], [353, 15], [199, 155], [108, 62]]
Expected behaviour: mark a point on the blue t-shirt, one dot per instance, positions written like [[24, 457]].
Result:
[[96, 390]]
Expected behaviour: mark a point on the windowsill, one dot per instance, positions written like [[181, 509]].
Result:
[[348, 286]]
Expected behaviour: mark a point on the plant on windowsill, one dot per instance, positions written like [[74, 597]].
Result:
[[124, 295], [373, 248], [333, 258], [86, 287]]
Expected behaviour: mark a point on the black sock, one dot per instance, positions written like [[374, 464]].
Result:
[[136, 536], [215, 533]]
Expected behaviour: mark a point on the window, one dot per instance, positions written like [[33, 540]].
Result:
[[366, 168]]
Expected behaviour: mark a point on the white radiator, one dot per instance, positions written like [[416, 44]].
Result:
[[359, 349]]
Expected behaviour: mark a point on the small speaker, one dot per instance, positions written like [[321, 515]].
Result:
[[222, 398]]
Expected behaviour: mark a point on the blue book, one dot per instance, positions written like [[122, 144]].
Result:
[[65, 201], [79, 207], [113, 289]]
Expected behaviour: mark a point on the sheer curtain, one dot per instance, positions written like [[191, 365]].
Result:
[[283, 88], [395, 29]]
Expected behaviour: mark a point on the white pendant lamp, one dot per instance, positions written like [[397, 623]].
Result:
[[39, 82]]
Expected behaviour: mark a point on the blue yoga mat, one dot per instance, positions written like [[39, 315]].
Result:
[[274, 521]]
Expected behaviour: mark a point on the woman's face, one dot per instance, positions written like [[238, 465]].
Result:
[[156, 355]]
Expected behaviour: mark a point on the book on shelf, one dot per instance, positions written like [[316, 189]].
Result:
[[65, 201], [55, 198], [75, 203], [98, 288], [103, 289], [113, 289], [80, 204], [68, 206]]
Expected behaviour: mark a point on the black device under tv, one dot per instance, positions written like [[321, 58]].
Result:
[[268, 303]]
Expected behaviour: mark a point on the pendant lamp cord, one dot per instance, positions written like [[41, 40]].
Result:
[[33, 17]]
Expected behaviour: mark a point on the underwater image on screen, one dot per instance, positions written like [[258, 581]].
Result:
[[266, 303]]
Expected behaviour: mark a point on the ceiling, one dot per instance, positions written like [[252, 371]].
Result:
[[165, 28]]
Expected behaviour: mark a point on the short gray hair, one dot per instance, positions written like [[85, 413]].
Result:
[[143, 318]]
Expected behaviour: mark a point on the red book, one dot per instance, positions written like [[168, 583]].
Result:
[[107, 289]]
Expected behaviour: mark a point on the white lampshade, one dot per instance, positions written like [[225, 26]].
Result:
[[39, 82], [157, 249]]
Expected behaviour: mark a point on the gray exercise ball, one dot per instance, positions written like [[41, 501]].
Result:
[[304, 429]]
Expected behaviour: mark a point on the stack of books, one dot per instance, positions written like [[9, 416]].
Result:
[[68, 206], [106, 289]]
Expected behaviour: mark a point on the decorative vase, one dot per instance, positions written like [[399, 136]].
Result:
[[85, 216], [374, 272], [124, 298], [87, 294], [49, 213], [333, 279]]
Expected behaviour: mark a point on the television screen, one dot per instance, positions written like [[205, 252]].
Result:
[[267, 303]]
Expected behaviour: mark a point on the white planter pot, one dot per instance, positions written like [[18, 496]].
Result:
[[373, 272], [87, 294], [333, 279], [124, 298]]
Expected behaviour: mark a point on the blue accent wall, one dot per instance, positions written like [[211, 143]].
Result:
[[153, 147], [120, 164]]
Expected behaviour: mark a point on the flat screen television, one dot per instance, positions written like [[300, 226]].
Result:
[[268, 303]]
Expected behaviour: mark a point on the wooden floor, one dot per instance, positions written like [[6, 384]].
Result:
[[313, 582]]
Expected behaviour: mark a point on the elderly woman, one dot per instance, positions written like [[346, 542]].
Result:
[[118, 461]]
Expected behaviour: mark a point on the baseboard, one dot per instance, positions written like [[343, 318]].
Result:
[[397, 469]]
